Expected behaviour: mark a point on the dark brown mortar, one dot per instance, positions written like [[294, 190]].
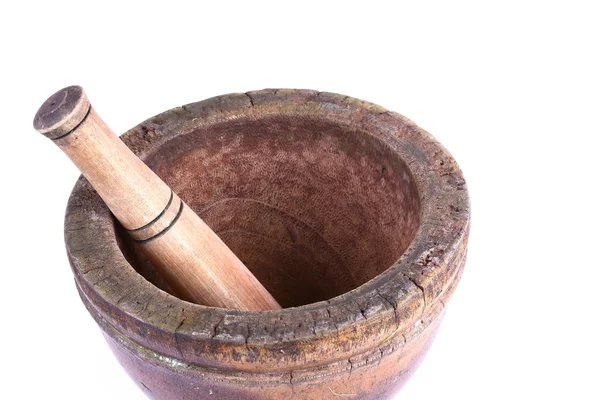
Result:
[[352, 216]]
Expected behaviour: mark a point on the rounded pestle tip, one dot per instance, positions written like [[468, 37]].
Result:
[[62, 112]]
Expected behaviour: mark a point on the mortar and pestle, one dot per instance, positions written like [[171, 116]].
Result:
[[322, 236]]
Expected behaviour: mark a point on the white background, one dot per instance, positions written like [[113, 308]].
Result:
[[511, 88]]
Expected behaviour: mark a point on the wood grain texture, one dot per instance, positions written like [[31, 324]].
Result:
[[195, 262], [361, 216]]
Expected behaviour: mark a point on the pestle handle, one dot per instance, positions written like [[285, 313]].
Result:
[[192, 258]]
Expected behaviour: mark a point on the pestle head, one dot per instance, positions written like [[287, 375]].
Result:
[[62, 112]]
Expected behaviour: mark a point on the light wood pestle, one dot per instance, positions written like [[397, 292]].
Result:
[[190, 256]]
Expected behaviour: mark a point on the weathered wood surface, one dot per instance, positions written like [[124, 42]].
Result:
[[355, 219]]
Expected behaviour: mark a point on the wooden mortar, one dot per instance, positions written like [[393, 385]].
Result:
[[354, 218]]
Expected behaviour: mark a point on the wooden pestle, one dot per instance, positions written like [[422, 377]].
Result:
[[191, 257]]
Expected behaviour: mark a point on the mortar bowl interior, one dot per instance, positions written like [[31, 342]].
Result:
[[314, 209]]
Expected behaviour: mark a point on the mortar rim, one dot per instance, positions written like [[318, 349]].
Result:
[[403, 291]]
